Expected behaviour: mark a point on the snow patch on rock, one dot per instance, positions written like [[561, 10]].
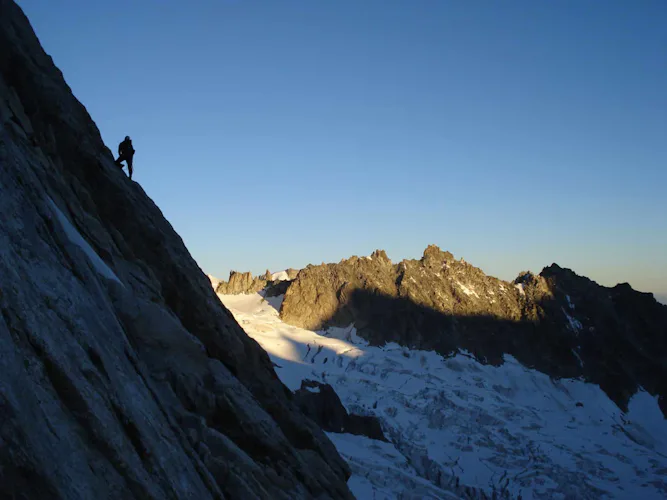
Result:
[[468, 291], [75, 237], [573, 323], [280, 276]]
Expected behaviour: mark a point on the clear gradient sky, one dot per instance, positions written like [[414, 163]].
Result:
[[278, 133]]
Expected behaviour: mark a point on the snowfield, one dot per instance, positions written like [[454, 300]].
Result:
[[458, 427]]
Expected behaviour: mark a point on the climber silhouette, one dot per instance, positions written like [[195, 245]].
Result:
[[125, 153]]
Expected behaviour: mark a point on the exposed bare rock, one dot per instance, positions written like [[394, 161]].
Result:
[[557, 322], [242, 283], [121, 373], [321, 403], [318, 292], [275, 288], [291, 273]]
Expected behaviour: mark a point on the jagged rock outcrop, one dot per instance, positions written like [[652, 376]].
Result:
[[560, 323], [291, 273], [242, 283], [121, 373], [321, 403], [275, 288]]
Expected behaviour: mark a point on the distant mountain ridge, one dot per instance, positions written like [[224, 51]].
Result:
[[241, 283], [558, 322]]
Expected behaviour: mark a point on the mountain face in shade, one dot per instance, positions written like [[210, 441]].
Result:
[[121, 373], [560, 323]]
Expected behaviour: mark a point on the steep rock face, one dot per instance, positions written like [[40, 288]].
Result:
[[276, 288], [242, 283], [121, 374], [560, 323], [321, 403]]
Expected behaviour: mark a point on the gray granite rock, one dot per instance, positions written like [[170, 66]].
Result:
[[121, 373]]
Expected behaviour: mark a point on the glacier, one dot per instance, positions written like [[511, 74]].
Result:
[[459, 428]]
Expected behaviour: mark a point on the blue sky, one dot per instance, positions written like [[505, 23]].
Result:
[[274, 134]]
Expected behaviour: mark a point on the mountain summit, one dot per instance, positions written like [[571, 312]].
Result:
[[456, 424], [557, 322]]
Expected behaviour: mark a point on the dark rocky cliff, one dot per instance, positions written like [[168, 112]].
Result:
[[558, 322], [121, 374]]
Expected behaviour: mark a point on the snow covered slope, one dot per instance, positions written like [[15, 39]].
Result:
[[460, 428]]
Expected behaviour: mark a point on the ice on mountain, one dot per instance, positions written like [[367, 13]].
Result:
[[75, 237], [574, 324], [576, 355], [455, 421]]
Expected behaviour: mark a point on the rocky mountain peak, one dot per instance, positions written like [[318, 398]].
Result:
[[435, 258], [242, 283], [245, 283], [558, 322], [380, 255]]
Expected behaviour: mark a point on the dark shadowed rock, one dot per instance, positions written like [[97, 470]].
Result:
[[121, 373], [275, 288], [365, 425], [321, 403], [560, 323]]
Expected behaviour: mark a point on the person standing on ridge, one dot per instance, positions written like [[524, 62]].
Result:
[[125, 152]]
